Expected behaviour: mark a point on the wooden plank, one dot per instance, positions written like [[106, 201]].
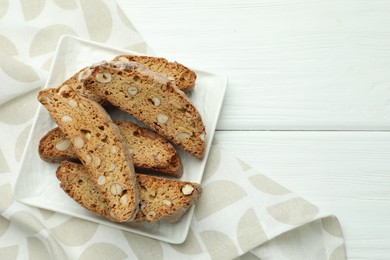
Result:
[[297, 64], [345, 173]]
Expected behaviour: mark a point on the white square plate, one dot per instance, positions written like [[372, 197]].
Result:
[[36, 183]]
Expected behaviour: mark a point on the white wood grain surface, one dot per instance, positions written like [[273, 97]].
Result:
[[297, 65]]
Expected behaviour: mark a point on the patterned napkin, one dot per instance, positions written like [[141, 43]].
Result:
[[242, 213]]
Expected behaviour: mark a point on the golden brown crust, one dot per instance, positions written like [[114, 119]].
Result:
[[75, 182], [153, 100], [54, 148], [150, 152], [183, 76], [160, 199], [76, 81], [99, 146]]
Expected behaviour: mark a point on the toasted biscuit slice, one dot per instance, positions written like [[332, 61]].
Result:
[[183, 76], [152, 99], [150, 152], [160, 199], [99, 145]]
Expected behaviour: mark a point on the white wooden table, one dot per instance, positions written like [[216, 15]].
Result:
[[308, 100]]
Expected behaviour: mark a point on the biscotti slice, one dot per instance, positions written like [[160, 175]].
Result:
[[183, 76], [54, 147], [153, 153], [99, 145], [77, 183], [160, 199], [165, 199], [76, 81], [153, 100], [150, 152]]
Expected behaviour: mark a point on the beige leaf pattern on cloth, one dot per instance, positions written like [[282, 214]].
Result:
[[56, 250], [190, 247], [75, 231], [245, 167], [17, 70], [4, 4], [32, 9], [9, 252], [66, 4], [248, 256], [332, 226], [4, 168], [143, 247], [24, 106], [6, 197], [27, 222], [250, 233], [103, 251], [20, 143], [338, 253], [219, 245], [46, 214], [4, 225], [213, 163], [139, 47], [266, 185], [216, 196], [295, 211], [36, 249], [7, 47], [98, 19], [45, 40]]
